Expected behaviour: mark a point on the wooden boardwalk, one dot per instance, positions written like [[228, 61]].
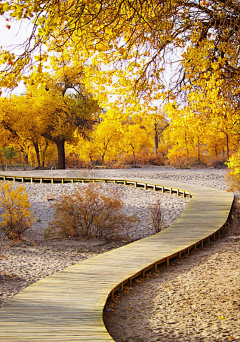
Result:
[[68, 305]]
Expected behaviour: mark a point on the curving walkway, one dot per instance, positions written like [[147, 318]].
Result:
[[68, 305]]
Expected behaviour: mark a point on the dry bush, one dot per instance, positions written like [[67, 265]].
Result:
[[124, 159], [17, 216], [156, 159], [235, 216], [156, 216], [74, 162], [233, 182], [150, 158], [214, 161], [144, 157], [182, 161], [120, 162], [232, 225], [91, 212]]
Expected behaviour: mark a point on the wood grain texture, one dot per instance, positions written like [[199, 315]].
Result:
[[68, 305]]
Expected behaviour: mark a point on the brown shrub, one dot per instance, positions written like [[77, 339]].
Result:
[[143, 157], [156, 216], [182, 161], [232, 225], [91, 212], [156, 159], [233, 181], [74, 162]]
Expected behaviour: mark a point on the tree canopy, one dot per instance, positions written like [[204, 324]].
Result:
[[54, 107], [143, 51], [196, 38]]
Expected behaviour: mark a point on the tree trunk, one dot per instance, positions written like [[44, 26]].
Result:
[[156, 137], [227, 145], [35, 144], [61, 153], [103, 159], [44, 153], [185, 138], [134, 158], [103, 156], [91, 160], [60, 142], [26, 159], [198, 152], [25, 155]]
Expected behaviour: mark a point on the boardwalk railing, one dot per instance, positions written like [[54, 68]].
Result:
[[68, 305]]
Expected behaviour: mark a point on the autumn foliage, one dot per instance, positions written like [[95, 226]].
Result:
[[95, 211], [16, 214], [233, 177], [123, 79]]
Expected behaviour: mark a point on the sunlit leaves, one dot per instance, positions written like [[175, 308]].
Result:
[[17, 216], [139, 37]]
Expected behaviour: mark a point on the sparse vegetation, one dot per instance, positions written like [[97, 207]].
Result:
[[92, 212], [232, 225], [233, 177], [156, 216], [16, 213]]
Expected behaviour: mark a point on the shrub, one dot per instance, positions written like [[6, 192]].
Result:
[[214, 162], [233, 182], [74, 162], [123, 160], [156, 159], [233, 177], [91, 212], [17, 216], [233, 223], [156, 216], [181, 160]]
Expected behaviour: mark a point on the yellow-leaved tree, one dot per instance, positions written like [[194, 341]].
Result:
[[137, 36], [54, 106], [131, 46], [134, 138]]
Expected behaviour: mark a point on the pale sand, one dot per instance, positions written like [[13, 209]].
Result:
[[170, 303]]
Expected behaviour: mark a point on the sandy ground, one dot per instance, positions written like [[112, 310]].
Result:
[[195, 299]]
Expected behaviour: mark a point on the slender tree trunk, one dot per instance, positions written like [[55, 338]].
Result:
[[198, 152], [199, 156], [185, 138], [134, 158], [227, 145], [44, 153], [103, 155], [35, 144], [26, 159], [91, 160], [156, 137], [61, 153]]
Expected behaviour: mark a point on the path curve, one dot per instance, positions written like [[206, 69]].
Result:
[[68, 305]]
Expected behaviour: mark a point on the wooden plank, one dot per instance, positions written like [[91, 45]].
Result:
[[68, 305]]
